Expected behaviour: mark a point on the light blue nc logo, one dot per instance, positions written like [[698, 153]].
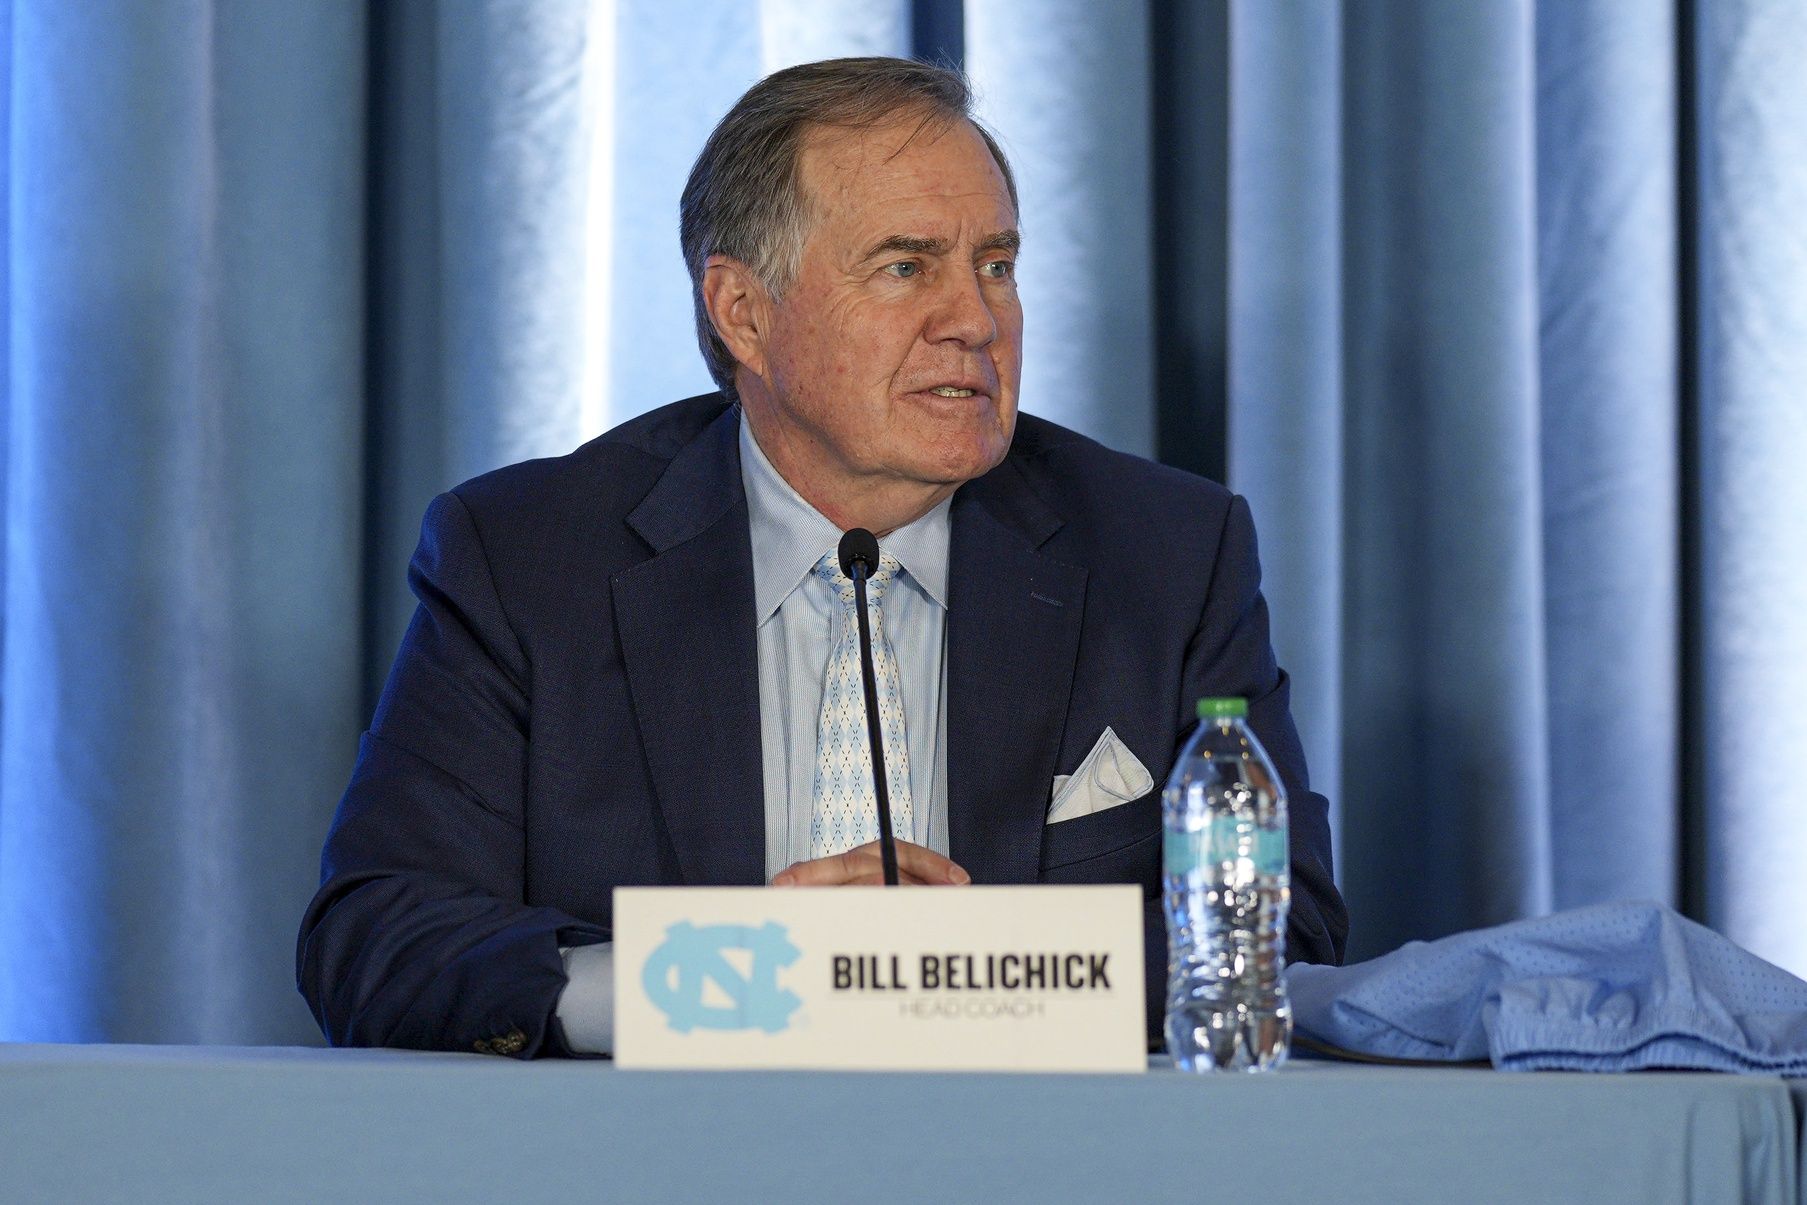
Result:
[[691, 960]]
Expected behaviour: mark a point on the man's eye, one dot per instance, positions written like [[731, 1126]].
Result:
[[998, 269], [904, 269]]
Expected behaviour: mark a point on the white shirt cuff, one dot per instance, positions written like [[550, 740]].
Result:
[[586, 1008]]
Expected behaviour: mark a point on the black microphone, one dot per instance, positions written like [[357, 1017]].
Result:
[[858, 555]]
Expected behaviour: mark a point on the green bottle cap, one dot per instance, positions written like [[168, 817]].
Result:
[[1222, 709]]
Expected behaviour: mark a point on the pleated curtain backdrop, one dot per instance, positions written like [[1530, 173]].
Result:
[[1478, 442], [1497, 312], [1518, 374], [185, 403], [1749, 349]]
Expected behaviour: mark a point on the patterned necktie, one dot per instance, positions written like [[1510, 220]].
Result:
[[846, 810]]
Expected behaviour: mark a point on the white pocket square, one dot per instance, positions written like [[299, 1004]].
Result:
[[1110, 775]]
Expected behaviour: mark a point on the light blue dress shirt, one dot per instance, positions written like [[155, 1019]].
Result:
[[795, 611], [795, 614]]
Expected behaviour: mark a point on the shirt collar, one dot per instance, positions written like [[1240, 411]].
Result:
[[789, 535]]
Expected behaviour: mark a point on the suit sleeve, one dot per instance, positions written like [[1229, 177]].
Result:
[[1231, 655], [419, 935]]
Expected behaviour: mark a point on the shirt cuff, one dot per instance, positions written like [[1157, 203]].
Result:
[[586, 1007]]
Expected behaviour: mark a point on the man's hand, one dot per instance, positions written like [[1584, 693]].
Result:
[[917, 866]]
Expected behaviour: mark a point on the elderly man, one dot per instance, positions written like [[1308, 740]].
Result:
[[630, 665]]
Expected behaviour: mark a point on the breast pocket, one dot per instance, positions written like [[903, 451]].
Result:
[[1118, 845]]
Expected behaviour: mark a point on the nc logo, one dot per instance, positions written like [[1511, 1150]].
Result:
[[674, 977]]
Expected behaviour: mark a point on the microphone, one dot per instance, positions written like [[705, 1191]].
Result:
[[858, 555]]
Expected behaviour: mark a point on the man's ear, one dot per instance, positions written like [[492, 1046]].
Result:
[[740, 308]]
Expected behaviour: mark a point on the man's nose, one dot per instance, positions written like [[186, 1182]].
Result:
[[962, 312]]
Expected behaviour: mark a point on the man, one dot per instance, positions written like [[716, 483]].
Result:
[[628, 664]]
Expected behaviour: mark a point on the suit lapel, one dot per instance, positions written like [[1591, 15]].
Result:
[[685, 622], [1014, 616]]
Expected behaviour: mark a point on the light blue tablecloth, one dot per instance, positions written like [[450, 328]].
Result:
[[148, 1123]]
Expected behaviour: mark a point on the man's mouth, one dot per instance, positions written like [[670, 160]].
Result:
[[950, 391]]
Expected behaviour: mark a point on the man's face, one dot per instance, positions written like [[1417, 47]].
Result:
[[894, 357]]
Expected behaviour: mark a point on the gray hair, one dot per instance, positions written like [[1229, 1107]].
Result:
[[745, 199]]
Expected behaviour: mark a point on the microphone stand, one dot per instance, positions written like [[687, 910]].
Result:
[[857, 556]]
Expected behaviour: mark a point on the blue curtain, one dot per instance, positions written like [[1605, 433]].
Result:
[[1456, 411], [184, 399], [1749, 296], [1067, 89], [1497, 312]]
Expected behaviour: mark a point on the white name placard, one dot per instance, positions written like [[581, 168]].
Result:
[[907, 979]]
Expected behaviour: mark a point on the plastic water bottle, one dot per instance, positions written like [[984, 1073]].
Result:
[[1228, 882]]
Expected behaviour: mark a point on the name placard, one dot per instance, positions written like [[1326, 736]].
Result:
[[907, 979]]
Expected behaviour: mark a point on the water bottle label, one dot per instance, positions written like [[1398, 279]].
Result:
[[1270, 851], [1224, 840]]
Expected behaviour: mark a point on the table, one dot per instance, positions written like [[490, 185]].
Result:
[[95, 1123], [1798, 1090]]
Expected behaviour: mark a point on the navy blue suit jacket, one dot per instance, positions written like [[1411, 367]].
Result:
[[575, 708]]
